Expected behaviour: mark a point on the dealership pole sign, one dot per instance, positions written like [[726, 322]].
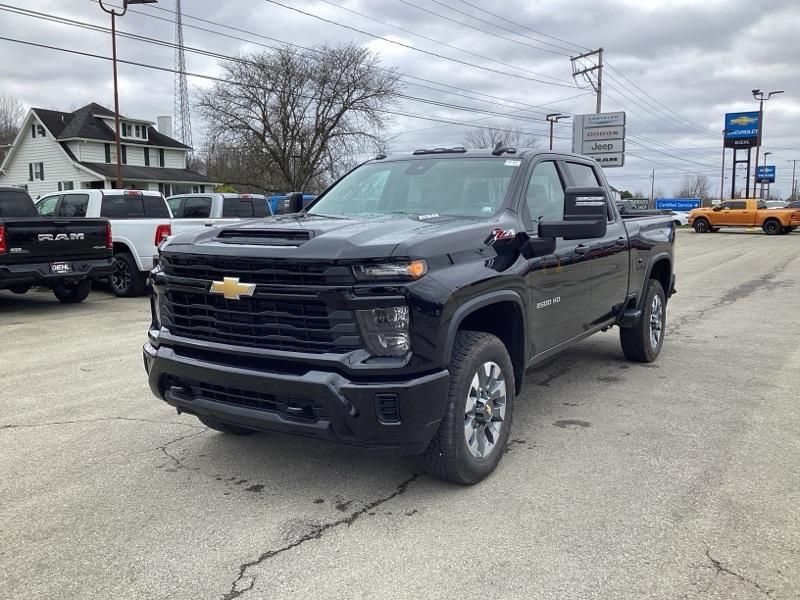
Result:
[[601, 137], [742, 130], [765, 174]]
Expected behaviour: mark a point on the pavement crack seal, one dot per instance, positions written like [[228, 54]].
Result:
[[722, 569], [316, 533], [97, 420]]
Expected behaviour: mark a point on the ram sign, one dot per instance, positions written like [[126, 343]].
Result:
[[742, 130], [600, 136]]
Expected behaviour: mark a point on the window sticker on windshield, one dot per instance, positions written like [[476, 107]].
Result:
[[513, 163]]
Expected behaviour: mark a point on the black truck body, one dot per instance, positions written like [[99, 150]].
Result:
[[60, 253], [299, 355]]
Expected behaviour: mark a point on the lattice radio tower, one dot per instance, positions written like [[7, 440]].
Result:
[[183, 120]]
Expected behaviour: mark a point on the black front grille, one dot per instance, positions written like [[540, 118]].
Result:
[[297, 408], [295, 325], [261, 271]]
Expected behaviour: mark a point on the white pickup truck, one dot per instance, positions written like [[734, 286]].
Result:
[[191, 211], [140, 221]]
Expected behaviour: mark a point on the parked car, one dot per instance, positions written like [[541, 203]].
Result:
[[775, 203], [401, 310], [744, 213], [680, 218], [795, 204], [140, 221], [60, 252], [190, 211]]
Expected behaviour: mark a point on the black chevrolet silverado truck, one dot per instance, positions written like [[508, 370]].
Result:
[[401, 310], [61, 253]]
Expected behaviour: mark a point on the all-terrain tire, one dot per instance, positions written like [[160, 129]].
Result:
[[448, 456], [701, 225], [216, 425], [72, 293], [772, 227], [638, 344], [127, 280]]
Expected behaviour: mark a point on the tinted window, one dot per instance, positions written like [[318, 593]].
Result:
[[73, 205], [545, 194], [122, 207], [176, 206], [155, 207], [15, 203], [582, 175], [196, 208], [47, 206], [737, 205], [238, 207]]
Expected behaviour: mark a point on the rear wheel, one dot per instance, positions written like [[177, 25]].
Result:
[[772, 227], [477, 420], [216, 425], [72, 293], [126, 279], [643, 342], [702, 225]]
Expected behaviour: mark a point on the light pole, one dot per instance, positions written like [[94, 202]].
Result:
[[114, 14], [761, 189], [553, 118], [759, 95], [794, 162], [722, 174]]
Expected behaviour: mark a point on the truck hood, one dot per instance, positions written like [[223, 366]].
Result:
[[333, 238]]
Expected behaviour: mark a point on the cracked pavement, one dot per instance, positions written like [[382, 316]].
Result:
[[679, 479]]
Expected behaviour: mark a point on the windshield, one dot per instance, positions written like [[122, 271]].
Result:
[[468, 187], [16, 204]]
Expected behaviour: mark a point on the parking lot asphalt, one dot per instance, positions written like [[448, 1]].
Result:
[[679, 479]]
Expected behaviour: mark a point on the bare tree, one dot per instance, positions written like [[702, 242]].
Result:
[[490, 135], [11, 114], [287, 120], [694, 186]]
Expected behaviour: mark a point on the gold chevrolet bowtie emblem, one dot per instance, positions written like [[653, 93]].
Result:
[[231, 288]]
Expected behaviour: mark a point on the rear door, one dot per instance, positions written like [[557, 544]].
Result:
[[245, 207], [607, 256], [558, 283], [192, 212]]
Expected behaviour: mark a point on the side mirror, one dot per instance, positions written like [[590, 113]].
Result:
[[585, 215], [293, 203], [717, 208]]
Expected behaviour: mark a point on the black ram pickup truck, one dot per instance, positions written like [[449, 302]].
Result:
[[61, 253], [402, 308]]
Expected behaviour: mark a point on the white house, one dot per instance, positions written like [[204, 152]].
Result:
[[63, 151]]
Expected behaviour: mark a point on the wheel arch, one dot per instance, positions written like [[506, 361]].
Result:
[[480, 314], [660, 269]]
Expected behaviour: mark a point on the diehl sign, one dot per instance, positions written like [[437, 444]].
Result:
[[742, 130]]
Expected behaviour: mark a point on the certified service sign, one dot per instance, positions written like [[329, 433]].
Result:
[[600, 136]]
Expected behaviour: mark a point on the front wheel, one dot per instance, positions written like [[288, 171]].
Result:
[[72, 293], [477, 420], [701, 226], [643, 342]]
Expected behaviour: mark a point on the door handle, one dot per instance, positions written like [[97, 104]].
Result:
[[582, 249], [621, 241]]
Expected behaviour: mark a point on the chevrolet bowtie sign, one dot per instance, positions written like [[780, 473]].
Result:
[[600, 136], [231, 288]]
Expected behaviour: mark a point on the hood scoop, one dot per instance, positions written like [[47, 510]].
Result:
[[265, 237]]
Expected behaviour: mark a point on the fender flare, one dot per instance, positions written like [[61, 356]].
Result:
[[653, 261], [127, 243], [469, 307]]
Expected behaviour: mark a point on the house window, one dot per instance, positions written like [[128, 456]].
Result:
[[198, 189], [124, 155], [160, 157], [37, 130], [108, 153], [64, 186], [36, 171], [147, 157]]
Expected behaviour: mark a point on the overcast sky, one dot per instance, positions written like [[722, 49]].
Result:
[[692, 62]]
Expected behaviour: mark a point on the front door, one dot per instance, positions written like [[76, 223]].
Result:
[[558, 283]]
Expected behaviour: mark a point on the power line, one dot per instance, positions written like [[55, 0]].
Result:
[[410, 47]]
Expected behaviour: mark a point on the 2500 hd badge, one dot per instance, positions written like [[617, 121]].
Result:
[[399, 311]]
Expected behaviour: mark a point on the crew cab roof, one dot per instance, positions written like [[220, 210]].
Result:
[[458, 152]]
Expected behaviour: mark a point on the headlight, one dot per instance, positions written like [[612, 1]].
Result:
[[385, 330], [408, 270]]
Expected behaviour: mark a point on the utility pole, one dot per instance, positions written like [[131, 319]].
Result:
[[794, 162], [653, 189], [554, 118], [597, 84]]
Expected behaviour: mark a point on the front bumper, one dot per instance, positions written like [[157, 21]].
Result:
[[41, 273], [316, 403]]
